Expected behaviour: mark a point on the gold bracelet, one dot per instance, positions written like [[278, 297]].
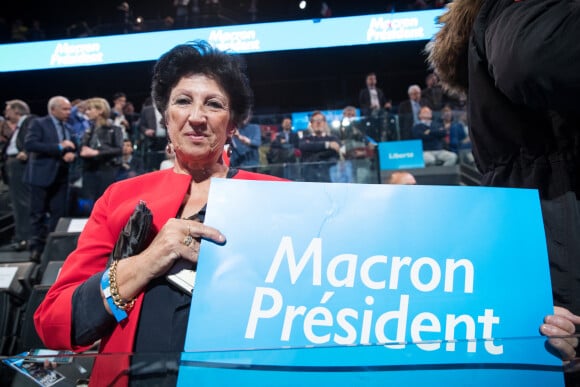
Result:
[[120, 302]]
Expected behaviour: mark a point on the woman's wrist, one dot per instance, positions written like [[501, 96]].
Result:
[[120, 286], [129, 281], [108, 289], [120, 302]]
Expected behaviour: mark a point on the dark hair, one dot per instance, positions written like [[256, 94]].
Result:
[[316, 113], [118, 95], [198, 57]]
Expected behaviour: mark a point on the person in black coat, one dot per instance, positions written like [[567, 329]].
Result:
[[518, 64], [101, 150]]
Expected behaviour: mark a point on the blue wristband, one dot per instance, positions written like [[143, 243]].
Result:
[[119, 314]]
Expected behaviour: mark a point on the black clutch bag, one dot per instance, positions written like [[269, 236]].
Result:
[[135, 234]]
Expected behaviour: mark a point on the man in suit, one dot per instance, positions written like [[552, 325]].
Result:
[[373, 107], [409, 112], [51, 152], [283, 151], [18, 113], [320, 150], [155, 137]]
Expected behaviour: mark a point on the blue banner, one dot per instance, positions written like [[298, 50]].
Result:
[[247, 38], [372, 282], [405, 154]]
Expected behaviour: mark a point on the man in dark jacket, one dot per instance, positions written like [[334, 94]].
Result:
[[284, 150], [374, 107], [15, 157], [155, 137], [432, 135], [518, 63], [320, 150], [51, 152], [409, 112]]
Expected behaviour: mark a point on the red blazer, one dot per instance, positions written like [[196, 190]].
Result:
[[163, 192]]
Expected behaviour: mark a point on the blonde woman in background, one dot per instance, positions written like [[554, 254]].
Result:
[[101, 150]]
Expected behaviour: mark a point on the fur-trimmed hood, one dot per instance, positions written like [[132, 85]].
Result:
[[447, 52]]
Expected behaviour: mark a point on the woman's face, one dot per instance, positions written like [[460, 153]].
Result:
[[92, 112], [198, 119]]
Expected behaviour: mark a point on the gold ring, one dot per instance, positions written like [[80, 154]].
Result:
[[188, 240]]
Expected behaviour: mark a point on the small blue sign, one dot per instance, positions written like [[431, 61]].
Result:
[[405, 154], [354, 282]]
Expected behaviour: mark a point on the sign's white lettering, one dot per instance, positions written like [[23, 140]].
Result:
[[349, 326]]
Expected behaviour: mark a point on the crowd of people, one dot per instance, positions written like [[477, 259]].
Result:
[[47, 160], [81, 147], [134, 17]]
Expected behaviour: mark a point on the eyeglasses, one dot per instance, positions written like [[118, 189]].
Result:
[[317, 120]]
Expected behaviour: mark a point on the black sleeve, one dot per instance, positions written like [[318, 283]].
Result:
[[533, 53], [90, 319], [114, 146], [312, 146]]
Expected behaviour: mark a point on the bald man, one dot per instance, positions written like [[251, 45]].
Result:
[[401, 177]]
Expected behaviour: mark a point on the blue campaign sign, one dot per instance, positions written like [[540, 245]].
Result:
[[401, 154], [350, 281]]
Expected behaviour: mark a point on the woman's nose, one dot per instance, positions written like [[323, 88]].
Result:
[[197, 115]]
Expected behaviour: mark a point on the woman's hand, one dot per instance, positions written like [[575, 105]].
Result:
[[88, 152], [560, 328], [178, 238]]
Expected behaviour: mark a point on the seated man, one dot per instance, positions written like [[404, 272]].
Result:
[[459, 141], [320, 150], [432, 136]]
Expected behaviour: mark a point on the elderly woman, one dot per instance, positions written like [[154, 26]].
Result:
[[203, 96], [101, 149]]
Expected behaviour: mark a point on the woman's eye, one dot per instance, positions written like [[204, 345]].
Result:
[[182, 101], [215, 104]]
